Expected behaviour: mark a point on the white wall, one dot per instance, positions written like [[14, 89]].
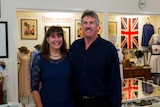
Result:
[[8, 13], [41, 25]]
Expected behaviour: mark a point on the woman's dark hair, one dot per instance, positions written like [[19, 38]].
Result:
[[45, 45]]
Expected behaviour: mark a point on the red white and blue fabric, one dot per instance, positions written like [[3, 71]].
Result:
[[130, 89], [129, 33]]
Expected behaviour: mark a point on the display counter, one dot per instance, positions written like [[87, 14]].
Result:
[[138, 93]]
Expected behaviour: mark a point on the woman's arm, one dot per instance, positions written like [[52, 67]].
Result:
[[37, 99]]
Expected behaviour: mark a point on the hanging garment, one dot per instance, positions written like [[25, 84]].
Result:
[[148, 31], [23, 74]]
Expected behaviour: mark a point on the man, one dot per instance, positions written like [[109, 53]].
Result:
[[95, 66]]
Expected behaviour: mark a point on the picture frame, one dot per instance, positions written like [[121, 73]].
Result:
[[78, 29], [155, 49], [67, 34], [29, 29], [112, 28], [4, 39]]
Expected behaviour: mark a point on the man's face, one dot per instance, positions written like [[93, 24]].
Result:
[[89, 27]]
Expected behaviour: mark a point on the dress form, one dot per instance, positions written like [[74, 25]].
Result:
[[113, 40], [23, 58], [154, 60]]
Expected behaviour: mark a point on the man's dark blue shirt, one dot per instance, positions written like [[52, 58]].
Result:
[[96, 70]]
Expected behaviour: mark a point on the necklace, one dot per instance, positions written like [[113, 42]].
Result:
[[55, 55]]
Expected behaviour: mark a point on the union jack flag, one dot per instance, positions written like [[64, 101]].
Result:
[[129, 33], [130, 89]]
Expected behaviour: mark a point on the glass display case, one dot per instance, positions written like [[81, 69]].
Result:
[[138, 93]]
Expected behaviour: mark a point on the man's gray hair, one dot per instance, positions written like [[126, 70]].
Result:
[[90, 13]]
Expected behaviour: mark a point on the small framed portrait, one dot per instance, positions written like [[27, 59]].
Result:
[[29, 29], [155, 49], [78, 29]]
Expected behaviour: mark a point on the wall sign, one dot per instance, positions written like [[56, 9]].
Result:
[[3, 40]]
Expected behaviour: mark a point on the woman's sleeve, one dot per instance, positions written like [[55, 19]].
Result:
[[35, 73]]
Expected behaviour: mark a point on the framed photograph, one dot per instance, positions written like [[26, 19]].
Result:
[[67, 34], [159, 31], [29, 29], [112, 28], [3, 39], [155, 49], [78, 29]]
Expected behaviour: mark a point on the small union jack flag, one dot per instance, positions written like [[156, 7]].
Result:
[[129, 33], [130, 89]]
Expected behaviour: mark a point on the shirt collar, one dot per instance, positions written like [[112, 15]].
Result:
[[96, 42]]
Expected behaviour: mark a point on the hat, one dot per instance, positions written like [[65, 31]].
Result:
[[23, 49], [38, 46]]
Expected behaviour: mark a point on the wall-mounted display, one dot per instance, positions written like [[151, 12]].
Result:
[[78, 29], [129, 33], [29, 29], [112, 29], [3, 40], [67, 34]]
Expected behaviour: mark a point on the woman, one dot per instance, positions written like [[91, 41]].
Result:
[[50, 72]]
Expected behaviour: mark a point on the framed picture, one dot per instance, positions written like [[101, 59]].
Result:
[[112, 29], [78, 29], [155, 49], [159, 31], [67, 34], [29, 29], [3, 39]]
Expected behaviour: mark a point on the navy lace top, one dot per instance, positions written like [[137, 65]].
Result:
[[55, 76]]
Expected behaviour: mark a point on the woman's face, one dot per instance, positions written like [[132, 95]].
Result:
[[55, 41]]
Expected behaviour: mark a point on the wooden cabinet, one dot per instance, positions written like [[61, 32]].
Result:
[[137, 72], [1, 93]]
